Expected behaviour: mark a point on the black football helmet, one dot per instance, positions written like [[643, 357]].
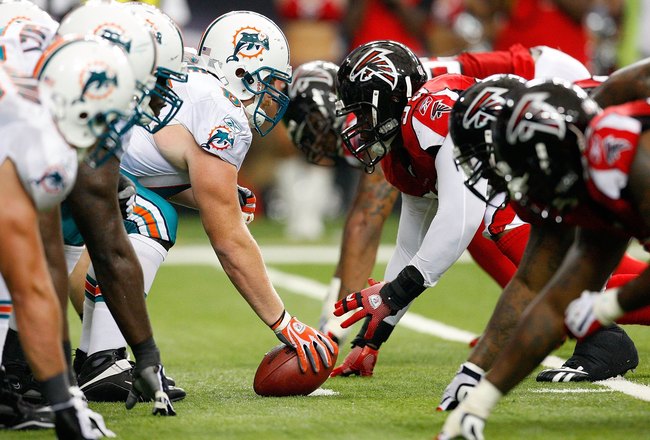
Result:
[[538, 140], [311, 116], [375, 81], [470, 127]]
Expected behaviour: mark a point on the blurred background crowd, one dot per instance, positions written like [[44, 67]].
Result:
[[603, 34]]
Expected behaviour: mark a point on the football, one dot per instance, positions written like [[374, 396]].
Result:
[[279, 374]]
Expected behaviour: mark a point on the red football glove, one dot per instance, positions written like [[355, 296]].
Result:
[[371, 303], [247, 201], [308, 342], [359, 362]]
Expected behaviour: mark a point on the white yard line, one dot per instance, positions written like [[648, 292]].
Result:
[[184, 255]]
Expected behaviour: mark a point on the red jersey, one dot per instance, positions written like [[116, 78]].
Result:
[[425, 125], [612, 141], [516, 60]]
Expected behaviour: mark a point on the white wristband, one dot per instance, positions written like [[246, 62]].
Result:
[[282, 323]]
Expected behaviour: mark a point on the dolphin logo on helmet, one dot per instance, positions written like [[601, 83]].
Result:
[[249, 44], [98, 80]]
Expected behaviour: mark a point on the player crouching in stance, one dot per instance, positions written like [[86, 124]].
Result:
[[40, 172], [554, 148]]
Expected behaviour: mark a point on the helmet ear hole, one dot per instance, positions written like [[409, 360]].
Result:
[[239, 73], [83, 115]]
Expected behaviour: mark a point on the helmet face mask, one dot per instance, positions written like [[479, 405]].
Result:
[[89, 110], [169, 67], [311, 116], [539, 137], [375, 82], [250, 55], [470, 127]]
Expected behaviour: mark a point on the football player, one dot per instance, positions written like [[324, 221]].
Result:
[[104, 372], [43, 169], [233, 86], [549, 184], [114, 262], [540, 61], [595, 359]]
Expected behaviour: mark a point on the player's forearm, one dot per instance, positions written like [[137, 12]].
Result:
[[627, 84], [242, 261]]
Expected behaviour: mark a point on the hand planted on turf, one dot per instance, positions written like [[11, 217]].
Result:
[[462, 424], [371, 303], [467, 376], [359, 362], [248, 202], [308, 342], [150, 383], [75, 421], [579, 316]]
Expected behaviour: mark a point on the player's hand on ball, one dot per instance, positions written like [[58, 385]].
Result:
[[371, 303], [310, 344]]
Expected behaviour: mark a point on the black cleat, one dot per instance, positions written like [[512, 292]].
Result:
[[21, 380], [106, 376], [16, 414], [607, 353]]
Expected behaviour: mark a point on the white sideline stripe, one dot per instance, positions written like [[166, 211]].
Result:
[[570, 391], [184, 255], [202, 254]]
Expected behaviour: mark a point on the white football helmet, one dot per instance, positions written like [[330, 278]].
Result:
[[169, 63], [17, 10], [87, 83], [250, 54], [116, 23]]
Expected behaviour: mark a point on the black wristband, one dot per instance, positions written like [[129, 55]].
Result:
[[408, 285], [381, 335], [56, 389]]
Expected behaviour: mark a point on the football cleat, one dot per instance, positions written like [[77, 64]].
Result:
[[359, 362], [107, 376], [17, 414], [607, 353], [21, 380]]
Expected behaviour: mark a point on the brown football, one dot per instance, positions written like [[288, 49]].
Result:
[[279, 374]]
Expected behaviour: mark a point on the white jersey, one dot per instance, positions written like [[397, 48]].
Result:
[[212, 115], [22, 43], [46, 164]]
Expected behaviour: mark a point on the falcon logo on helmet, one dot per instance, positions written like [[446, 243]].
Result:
[[375, 64], [526, 121], [490, 99], [302, 82], [221, 138], [249, 43], [98, 82]]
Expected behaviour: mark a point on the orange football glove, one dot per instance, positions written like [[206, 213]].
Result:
[[308, 342], [247, 201]]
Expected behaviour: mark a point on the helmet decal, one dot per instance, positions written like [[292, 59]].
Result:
[[53, 181], [33, 38], [376, 64], [114, 33], [491, 98], [302, 82], [249, 42], [521, 129], [221, 138], [98, 80]]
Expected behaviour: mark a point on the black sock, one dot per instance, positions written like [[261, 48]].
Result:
[[146, 354], [56, 389]]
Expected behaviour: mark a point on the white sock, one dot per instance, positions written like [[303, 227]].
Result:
[[104, 332]]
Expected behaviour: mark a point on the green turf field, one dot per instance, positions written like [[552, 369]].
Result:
[[212, 343]]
